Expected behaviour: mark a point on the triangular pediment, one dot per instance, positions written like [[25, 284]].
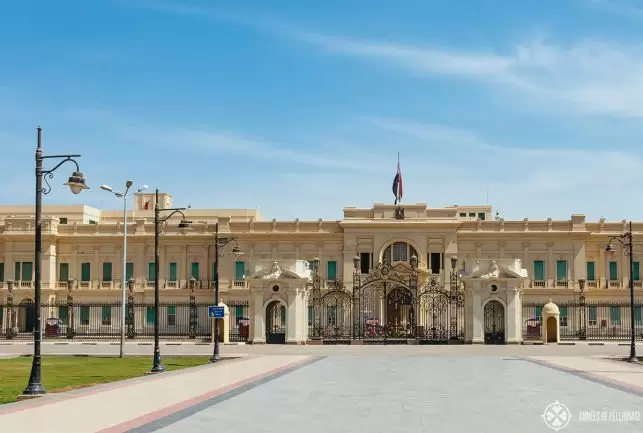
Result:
[[275, 272]]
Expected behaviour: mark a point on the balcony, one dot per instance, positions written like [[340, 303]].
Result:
[[85, 285], [562, 283], [638, 284], [62, 284], [239, 284], [171, 284], [106, 284], [538, 283], [149, 284], [614, 284], [592, 284]]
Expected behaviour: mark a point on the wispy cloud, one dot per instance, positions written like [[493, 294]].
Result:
[[590, 77]]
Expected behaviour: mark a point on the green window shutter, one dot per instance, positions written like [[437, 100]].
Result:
[[331, 270], [310, 315], [283, 316], [107, 271], [539, 270], [238, 311], [16, 271], [85, 272], [592, 313], [591, 271], [84, 315], [149, 315], [195, 273], [615, 315], [172, 272], [613, 271], [239, 270], [539, 312], [106, 315], [129, 270], [27, 271], [563, 311], [151, 271], [481, 216], [63, 272], [1, 272], [638, 314], [561, 270], [63, 314], [636, 271]]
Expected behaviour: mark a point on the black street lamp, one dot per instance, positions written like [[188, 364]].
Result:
[[157, 367], [76, 184], [582, 315], [626, 240], [316, 293], [219, 244]]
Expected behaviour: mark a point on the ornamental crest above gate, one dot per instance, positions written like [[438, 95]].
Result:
[[385, 271]]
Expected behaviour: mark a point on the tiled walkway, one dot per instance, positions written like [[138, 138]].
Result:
[[352, 393]]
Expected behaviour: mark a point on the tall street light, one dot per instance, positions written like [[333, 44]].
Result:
[[76, 184], [219, 244], [123, 195], [157, 367], [626, 240]]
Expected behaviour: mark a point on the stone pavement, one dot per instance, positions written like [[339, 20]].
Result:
[[396, 390]]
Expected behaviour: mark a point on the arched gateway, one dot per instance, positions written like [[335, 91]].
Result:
[[390, 306]]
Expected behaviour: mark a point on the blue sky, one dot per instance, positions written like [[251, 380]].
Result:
[[300, 108]]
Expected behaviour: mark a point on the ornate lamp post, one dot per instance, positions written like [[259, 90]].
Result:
[[582, 317], [626, 240], [157, 367], [357, 308], [123, 195], [76, 184], [219, 244], [316, 288], [457, 298]]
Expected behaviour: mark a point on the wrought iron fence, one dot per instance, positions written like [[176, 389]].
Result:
[[591, 320], [102, 320]]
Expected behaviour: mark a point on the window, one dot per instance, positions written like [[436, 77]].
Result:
[[196, 274], [149, 315], [129, 270], [84, 315], [472, 214], [310, 315], [106, 315], [539, 270], [107, 271], [636, 271], [283, 316], [463, 214], [592, 315], [171, 315], [364, 262], [1, 272], [239, 270], [172, 273], [638, 314], [63, 272], [615, 315], [613, 271], [399, 252], [591, 271], [23, 271], [539, 313], [63, 220], [435, 262], [151, 272], [481, 216], [16, 271], [331, 270], [85, 273], [238, 313], [561, 270], [92, 221], [63, 314], [563, 316]]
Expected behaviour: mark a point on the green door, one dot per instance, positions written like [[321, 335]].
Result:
[[539, 270], [331, 270], [196, 273], [151, 271], [129, 270]]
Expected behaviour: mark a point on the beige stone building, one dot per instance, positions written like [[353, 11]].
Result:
[[405, 273]]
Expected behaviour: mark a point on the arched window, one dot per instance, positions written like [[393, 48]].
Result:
[[399, 252]]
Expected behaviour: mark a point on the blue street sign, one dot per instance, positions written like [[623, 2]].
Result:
[[216, 312]]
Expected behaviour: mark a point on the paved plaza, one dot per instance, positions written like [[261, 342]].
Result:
[[356, 389]]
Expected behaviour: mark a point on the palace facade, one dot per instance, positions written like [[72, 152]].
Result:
[[390, 273]]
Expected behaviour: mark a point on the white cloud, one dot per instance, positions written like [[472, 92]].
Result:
[[591, 77]]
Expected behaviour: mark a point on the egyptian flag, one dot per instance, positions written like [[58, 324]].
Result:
[[397, 182]]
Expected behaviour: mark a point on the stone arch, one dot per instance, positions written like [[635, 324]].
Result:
[[390, 244], [275, 312], [494, 320]]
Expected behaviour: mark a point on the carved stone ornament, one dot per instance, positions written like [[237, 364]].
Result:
[[399, 213], [385, 271]]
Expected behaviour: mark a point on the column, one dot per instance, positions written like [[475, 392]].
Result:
[[579, 268], [514, 315], [258, 319], [478, 315], [292, 317], [600, 269], [468, 313], [550, 270], [162, 266], [48, 267], [96, 268]]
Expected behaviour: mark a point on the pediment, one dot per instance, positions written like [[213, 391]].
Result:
[[497, 270], [275, 272]]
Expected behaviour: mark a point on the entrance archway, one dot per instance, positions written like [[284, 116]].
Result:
[[552, 331], [494, 323], [275, 323], [27, 316]]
